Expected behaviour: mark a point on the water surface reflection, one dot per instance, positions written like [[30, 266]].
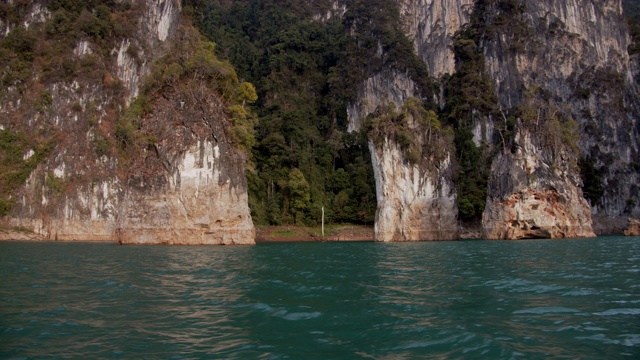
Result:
[[469, 299]]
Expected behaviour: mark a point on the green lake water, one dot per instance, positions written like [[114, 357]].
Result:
[[431, 300]]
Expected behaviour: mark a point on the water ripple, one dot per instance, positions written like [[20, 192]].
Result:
[[469, 299]]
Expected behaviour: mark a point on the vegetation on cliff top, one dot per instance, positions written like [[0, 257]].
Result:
[[421, 136], [47, 49], [189, 63]]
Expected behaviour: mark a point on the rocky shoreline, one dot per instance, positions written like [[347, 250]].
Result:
[[19, 235], [300, 233], [333, 233]]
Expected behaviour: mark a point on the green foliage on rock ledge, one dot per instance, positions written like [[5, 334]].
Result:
[[19, 156], [552, 124], [418, 131]]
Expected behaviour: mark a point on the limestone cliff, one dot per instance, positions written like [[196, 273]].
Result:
[[633, 229], [415, 201], [431, 25], [528, 198], [114, 163], [565, 91], [131, 130], [572, 53], [416, 197], [197, 195]]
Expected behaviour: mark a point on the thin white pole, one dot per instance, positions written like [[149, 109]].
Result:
[[323, 223]]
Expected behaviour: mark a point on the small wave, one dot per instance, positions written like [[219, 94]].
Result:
[[501, 284], [301, 315], [568, 328], [612, 312], [540, 289], [546, 310], [580, 292], [284, 314], [595, 328], [626, 302], [423, 344], [631, 339], [263, 307], [600, 338]]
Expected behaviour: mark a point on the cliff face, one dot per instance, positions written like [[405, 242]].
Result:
[[576, 37], [101, 154], [531, 199], [416, 199], [564, 79], [576, 55], [431, 25], [161, 168], [192, 189]]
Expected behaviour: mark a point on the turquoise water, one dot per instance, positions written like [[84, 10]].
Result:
[[467, 300]]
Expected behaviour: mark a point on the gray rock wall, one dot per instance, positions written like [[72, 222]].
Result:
[[416, 200], [575, 52], [577, 55], [188, 185], [531, 196], [431, 25]]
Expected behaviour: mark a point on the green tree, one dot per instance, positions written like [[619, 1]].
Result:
[[247, 93], [300, 196]]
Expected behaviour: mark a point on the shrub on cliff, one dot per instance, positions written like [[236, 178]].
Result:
[[418, 131], [19, 156]]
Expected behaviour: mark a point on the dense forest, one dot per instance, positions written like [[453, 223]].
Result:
[[306, 71]]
